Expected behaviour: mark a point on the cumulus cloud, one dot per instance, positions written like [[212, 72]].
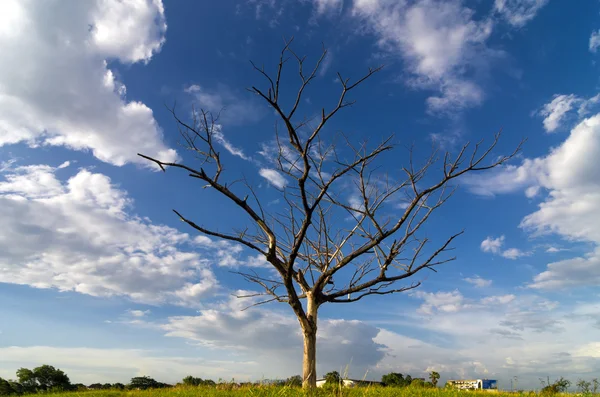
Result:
[[571, 178], [440, 41], [81, 237], [275, 339], [440, 301], [518, 12], [573, 272], [55, 85], [274, 177], [494, 246]]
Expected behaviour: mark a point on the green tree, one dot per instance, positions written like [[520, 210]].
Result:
[[27, 380], [144, 382], [52, 378], [118, 386], [17, 387], [434, 377], [393, 379], [294, 381], [417, 383], [408, 380], [95, 386], [595, 385], [6, 388], [192, 381], [333, 378]]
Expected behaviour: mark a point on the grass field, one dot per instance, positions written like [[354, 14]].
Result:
[[288, 391]]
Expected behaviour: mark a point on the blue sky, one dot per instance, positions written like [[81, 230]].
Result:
[[98, 277]]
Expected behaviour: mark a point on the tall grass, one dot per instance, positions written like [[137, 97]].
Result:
[[283, 391]]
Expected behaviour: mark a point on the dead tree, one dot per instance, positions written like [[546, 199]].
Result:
[[317, 259]]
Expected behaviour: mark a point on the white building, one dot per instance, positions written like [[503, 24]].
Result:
[[350, 382]]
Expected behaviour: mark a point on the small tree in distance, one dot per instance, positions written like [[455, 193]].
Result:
[[294, 381], [393, 379], [317, 259], [434, 377], [333, 378]]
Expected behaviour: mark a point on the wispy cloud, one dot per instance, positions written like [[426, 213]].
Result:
[[232, 107], [519, 12], [273, 177], [478, 282], [594, 41]]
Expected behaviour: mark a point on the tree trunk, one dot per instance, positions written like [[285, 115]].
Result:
[[309, 360]]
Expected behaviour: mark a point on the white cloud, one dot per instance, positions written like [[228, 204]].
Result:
[[274, 339], [138, 313], [56, 88], [446, 302], [82, 238], [594, 41], [573, 272], [514, 253], [478, 281], [492, 245], [571, 208], [326, 6], [498, 299], [440, 41], [234, 150], [555, 111], [530, 336], [228, 254], [572, 177], [518, 12], [274, 177], [507, 179]]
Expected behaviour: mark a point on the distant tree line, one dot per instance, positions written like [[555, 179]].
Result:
[[397, 379], [46, 378]]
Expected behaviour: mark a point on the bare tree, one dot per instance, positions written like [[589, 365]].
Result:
[[317, 259]]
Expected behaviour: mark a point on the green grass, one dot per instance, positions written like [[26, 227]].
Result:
[[272, 391]]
